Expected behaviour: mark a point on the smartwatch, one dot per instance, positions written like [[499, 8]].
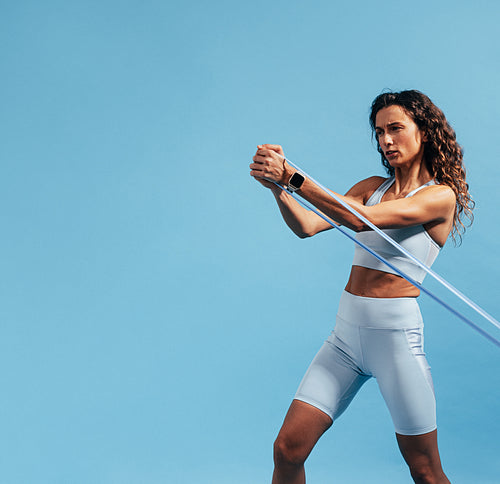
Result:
[[295, 182]]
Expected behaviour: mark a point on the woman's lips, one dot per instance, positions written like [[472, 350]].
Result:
[[391, 153]]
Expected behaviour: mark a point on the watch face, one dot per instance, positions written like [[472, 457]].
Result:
[[296, 180]]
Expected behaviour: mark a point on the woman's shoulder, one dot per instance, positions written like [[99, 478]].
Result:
[[364, 189], [439, 193]]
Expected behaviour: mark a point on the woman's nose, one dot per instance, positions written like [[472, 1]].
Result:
[[385, 140]]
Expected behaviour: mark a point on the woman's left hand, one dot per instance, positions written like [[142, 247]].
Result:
[[269, 163]]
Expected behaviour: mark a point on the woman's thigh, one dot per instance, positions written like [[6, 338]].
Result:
[[334, 377], [304, 424], [398, 363]]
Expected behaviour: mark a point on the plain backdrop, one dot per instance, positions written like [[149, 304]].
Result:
[[156, 315]]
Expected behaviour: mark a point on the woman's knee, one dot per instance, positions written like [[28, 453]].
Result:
[[303, 426], [289, 451], [422, 456], [422, 473]]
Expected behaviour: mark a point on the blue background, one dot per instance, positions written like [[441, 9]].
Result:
[[153, 326]]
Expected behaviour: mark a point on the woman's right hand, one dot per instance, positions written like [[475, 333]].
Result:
[[268, 159]]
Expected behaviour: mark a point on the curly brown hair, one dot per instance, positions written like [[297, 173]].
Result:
[[442, 154]]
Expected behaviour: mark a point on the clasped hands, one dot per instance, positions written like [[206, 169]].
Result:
[[269, 165]]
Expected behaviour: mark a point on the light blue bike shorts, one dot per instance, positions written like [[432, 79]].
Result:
[[381, 338]]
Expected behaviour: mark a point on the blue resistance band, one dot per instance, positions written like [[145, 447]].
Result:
[[427, 269]]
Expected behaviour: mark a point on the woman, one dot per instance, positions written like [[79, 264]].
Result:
[[379, 329]]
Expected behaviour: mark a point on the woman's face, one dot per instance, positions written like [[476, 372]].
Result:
[[400, 139]]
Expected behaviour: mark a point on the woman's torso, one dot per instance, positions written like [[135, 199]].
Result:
[[370, 282]]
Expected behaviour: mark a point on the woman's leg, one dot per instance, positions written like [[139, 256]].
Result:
[[422, 456], [302, 428]]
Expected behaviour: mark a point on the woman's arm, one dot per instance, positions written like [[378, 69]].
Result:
[[304, 223], [433, 204], [419, 209]]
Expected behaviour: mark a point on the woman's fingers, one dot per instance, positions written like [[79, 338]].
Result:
[[275, 148], [268, 162], [259, 158], [272, 154], [257, 166], [268, 157], [257, 169]]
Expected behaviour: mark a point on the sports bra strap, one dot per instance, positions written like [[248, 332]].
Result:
[[379, 192], [377, 195], [428, 184]]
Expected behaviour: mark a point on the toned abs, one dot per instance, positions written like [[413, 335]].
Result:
[[372, 283]]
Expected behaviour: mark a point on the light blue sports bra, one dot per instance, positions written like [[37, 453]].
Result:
[[414, 239]]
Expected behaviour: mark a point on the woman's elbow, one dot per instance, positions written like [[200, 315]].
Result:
[[303, 235], [358, 226]]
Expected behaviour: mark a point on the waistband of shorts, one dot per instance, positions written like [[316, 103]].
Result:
[[383, 313]]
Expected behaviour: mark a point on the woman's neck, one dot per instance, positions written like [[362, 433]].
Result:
[[409, 178]]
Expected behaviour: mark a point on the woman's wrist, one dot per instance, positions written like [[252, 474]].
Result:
[[277, 190], [288, 171]]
